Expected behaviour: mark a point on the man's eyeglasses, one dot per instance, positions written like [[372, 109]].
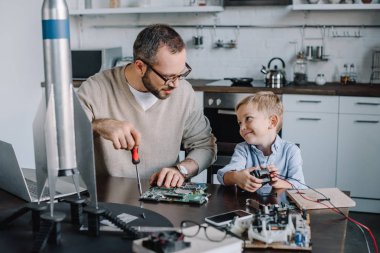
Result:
[[171, 79], [192, 228]]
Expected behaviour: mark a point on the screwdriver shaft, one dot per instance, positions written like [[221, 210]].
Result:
[[136, 160], [138, 181]]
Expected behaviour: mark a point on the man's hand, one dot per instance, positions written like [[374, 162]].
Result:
[[169, 177], [122, 134]]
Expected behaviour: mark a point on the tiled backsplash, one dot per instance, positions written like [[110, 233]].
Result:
[[257, 39]]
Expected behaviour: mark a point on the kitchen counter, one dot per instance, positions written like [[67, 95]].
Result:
[[332, 89]]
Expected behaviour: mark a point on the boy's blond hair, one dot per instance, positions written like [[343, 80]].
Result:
[[267, 102]]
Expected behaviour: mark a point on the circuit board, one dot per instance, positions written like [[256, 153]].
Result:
[[276, 226], [191, 193]]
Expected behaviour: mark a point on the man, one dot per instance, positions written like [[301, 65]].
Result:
[[146, 104]]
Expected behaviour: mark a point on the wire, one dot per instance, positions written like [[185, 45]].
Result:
[[333, 208], [365, 237]]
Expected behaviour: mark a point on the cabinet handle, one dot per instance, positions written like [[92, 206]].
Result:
[[313, 119], [366, 103], [367, 121], [310, 101], [226, 112]]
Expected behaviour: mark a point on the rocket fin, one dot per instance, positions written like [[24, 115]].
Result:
[[39, 146], [85, 149]]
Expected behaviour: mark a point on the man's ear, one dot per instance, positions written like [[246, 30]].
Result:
[[273, 121], [140, 67]]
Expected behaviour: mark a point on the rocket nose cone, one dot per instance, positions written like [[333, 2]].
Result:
[[54, 9]]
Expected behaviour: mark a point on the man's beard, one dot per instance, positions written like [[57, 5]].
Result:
[[159, 93]]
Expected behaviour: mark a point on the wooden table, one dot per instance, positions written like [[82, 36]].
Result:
[[328, 229]]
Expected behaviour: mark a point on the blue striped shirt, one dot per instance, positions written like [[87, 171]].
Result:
[[286, 156]]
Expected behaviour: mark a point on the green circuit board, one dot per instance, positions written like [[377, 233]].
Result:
[[191, 193]]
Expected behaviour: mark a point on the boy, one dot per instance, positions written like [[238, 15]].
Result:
[[260, 119]]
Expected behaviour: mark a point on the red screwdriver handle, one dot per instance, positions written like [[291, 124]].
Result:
[[135, 156]]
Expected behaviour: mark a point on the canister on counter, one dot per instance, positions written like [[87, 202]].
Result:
[[114, 3]]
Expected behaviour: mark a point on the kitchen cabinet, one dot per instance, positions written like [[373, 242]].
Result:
[[303, 5], [312, 122], [169, 6], [358, 161]]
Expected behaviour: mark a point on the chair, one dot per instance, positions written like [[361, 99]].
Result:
[[211, 171]]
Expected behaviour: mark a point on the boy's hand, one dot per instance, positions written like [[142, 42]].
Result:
[[246, 181], [277, 182]]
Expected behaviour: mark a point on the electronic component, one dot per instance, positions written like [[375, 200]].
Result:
[[275, 226], [263, 174], [192, 193], [225, 218], [166, 242]]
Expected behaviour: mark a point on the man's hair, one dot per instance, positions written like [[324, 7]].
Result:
[[154, 37], [267, 102]]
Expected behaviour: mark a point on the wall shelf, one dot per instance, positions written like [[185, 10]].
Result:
[[164, 9], [333, 7]]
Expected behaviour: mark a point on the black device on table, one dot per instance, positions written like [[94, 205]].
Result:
[[263, 174]]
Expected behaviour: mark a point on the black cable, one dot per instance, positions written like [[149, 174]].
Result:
[[329, 201]]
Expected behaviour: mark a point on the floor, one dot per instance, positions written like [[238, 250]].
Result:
[[355, 242]]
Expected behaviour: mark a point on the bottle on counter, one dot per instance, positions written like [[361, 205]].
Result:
[[300, 70], [352, 75], [344, 77]]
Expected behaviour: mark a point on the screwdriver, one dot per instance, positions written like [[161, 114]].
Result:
[[135, 161]]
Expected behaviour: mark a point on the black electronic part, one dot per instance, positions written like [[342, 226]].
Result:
[[36, 210], [76, 210], [50, 231], [263, 174], [304, 213], [93, 219], [166, 242], [131, 233]]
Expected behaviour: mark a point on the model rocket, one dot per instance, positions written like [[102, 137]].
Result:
[[62, 133]]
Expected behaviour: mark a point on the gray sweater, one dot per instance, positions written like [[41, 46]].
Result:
[[164, 126]]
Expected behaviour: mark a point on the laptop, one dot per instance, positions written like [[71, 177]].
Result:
[[22, 182]]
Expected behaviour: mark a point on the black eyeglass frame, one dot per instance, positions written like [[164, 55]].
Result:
[[171, 79], [199, 229]]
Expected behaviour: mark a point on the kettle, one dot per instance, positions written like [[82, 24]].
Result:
[[274, 78]]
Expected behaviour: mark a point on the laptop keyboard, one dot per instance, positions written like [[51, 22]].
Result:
[[32, 186]]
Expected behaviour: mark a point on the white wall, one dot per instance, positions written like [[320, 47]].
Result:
[[21, 71], [256, 46], [21, 57]]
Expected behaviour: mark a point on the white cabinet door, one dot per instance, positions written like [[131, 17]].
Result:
[[317, 135], [359, 155], [312, 122]]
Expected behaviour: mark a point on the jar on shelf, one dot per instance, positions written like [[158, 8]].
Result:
[[300, 70]]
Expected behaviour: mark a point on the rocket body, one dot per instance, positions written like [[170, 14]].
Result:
[[63, 140], [58, 83]]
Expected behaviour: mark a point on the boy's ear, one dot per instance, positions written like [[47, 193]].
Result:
[[273, 121]]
